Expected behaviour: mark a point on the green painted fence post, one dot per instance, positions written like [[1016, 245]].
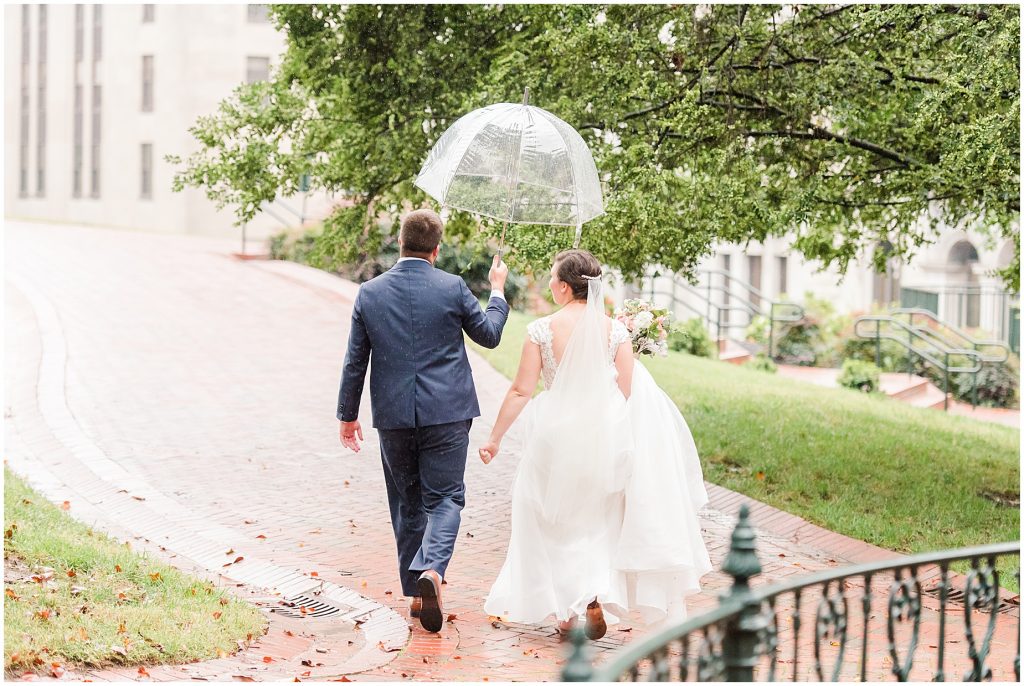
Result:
[[739, 646], [578, 666]]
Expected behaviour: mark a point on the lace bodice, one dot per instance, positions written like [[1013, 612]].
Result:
[[540, 333]]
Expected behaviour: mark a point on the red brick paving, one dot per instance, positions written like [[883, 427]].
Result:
[[212, 382]]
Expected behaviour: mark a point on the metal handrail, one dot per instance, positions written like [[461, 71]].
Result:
[[747, 635], [928, 314], [934, 341], [745, 304]]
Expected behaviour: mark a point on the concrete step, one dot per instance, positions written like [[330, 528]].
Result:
[[732, 352], [930, 397], [902, 386]]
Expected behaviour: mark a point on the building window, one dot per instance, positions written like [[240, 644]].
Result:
[[783, 268], [726, 286], [148, 14], [76, 169], [754, 273], [147, 171], [79, 32], [94, 171], [41, 104], [23, 123], [257, 69], [147, 83], [257, 14], [97, 32]]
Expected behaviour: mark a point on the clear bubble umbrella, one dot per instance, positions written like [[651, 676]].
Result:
[[515, 163]]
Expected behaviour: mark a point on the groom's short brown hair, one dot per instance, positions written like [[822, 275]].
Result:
[[421, 232]]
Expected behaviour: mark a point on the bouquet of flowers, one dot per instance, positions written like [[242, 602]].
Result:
[[648, 325]]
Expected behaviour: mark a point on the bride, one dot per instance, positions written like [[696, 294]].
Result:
[[605, 499]]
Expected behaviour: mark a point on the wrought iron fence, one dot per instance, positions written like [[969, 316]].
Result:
[[807, 630]]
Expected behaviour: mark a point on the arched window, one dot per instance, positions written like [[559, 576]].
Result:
[[885, 286], [964, 307]]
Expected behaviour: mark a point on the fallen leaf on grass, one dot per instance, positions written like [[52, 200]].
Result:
[[155, 576], [72, 574], [26, 501], [121, 628], [216, 615], [43, 614], [119, 650], [759, 476], [223, 601], [11, 594], [117, 568]]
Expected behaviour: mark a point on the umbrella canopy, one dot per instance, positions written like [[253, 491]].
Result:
[[515, 163]]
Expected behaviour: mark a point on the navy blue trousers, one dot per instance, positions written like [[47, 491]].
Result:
[[424, 470]]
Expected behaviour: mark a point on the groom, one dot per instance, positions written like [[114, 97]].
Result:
[[410, 320]]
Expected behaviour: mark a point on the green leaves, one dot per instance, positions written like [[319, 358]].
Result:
[[840, 125]]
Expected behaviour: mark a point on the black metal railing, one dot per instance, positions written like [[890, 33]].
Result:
[[755, 632], [933, 349], [717, 302]]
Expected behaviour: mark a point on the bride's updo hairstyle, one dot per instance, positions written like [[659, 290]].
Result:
[[573, 267]]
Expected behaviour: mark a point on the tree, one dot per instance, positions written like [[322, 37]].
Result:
[[845, 126]]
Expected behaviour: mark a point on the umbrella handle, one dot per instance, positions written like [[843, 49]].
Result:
[[579, 233]]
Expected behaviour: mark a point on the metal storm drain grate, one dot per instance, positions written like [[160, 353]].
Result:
[[956, 596], [306, 607]]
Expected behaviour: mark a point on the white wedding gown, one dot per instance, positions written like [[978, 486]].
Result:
[[605, 499]]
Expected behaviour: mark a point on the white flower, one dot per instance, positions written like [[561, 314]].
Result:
[[644, 319]]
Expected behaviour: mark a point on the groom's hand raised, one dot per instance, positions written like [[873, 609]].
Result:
[[498, 274], [351, 433]]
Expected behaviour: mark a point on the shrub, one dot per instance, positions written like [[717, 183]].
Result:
[[998, 385], [860, 376], [692, 337], [812, 341], [761, 363]]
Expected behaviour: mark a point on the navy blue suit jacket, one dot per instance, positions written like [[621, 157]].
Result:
[[408, 323]]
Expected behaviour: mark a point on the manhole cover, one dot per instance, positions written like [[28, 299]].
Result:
[[306, 607]]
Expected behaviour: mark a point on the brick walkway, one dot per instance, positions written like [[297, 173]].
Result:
[[158, 366]]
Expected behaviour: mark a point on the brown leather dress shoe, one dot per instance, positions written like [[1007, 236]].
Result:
[[596, 627], [431, 612], [415, 605]]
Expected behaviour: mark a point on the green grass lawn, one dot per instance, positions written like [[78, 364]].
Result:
[[93, 602], [906, 479]]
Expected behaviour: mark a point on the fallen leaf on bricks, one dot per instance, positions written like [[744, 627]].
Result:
[[452, 618], [314, 573], [628, 628], [143, 672], [268, 659], [344, 678], [242, 677], [66, 505], [138, 497], [261, 536]]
